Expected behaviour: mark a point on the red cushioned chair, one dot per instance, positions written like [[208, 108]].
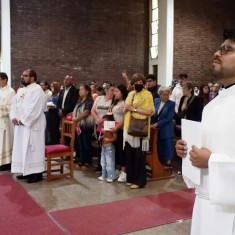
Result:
[[60, 154]]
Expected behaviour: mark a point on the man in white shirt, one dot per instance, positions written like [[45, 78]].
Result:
[[44, 85], [27, 115], [214, 208], [6, 128], [177, 92]]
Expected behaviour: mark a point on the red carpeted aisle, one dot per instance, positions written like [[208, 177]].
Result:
[[127, 215], [20, 214]]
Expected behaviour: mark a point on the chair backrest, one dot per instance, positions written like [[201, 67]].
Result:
[[68, 130]]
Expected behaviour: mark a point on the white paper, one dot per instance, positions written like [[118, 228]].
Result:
[[109, 125], [191, 133]]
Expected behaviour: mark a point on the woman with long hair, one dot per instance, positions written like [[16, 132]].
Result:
[[120, 94], [85, 121], [100, 108]]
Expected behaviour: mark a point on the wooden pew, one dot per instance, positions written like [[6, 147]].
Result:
[[158, 170]]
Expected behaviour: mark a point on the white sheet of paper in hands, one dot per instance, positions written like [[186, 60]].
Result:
[[191, 133]]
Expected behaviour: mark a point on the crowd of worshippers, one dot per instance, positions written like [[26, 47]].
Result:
[[121, 156]]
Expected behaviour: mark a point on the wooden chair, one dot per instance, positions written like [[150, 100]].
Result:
[[158, 170], [61, 154]]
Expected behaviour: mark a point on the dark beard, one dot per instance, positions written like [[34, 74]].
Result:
[[24, 83]]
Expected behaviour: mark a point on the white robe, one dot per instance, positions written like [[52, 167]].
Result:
[[213, 215], [6, 128], [28, 155]]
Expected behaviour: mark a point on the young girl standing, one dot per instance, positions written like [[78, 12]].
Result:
[[108, 152]]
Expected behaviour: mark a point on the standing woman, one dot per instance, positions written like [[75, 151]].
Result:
[[163, 121], [190, 107], [100, 108], [139, 103], [53, 119], [120, 94], [204, 94], [82, 115]]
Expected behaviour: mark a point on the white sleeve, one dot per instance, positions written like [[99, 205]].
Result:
[[222, 179]]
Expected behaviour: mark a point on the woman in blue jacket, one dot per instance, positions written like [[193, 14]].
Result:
[[163, 122]]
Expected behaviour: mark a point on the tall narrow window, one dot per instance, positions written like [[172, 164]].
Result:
[[154, 29]]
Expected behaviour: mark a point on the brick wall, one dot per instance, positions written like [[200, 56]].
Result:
[[97, 39], [89, 39], [198, 33]]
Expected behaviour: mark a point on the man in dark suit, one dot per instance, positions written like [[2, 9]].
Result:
[[68, 97]]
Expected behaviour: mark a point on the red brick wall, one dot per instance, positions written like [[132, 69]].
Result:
[[198, 33], [97, 39], [89, 39]]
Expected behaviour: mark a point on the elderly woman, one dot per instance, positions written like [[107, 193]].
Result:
[[190, 107], [163, 122], [139, 104]]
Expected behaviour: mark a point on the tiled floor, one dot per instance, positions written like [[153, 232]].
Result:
[[85, 189]]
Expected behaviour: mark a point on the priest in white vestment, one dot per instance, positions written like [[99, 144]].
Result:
[[6, 127], [27, 114], [214, 208]]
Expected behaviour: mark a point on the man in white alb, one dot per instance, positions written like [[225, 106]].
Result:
[[6, 128], [214, 208], [27, 114]]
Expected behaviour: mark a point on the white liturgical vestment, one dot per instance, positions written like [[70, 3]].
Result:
[[6, 128], [28, 155], [214, 208]]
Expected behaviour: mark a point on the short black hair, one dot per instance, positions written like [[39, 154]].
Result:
[[3, 76], [229, 34], [109, 117], [183, 75], [151, 76]]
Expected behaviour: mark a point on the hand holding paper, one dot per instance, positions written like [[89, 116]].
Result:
[[191, 133]]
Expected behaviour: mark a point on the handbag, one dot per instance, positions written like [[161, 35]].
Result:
[[138, 127]]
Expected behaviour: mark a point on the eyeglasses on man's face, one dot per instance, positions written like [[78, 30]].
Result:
[[24, 75], [225, 49]]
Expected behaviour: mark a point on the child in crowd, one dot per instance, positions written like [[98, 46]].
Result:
[[108, 152]]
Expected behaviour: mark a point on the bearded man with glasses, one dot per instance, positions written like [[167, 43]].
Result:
[[214, 208], [27, 115]]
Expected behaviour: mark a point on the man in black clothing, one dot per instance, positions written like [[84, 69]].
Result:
[[152, 86], [68, 97]]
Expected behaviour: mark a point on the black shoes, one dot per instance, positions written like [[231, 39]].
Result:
[[32, 178], [22, 177], [6, 167]]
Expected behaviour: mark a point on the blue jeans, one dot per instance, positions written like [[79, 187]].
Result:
[[108, 162]]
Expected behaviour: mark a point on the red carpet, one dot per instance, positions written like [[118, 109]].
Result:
[[20, 214], [127, 215]]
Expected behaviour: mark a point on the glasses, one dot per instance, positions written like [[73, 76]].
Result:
[[225, 49], [24, 75]]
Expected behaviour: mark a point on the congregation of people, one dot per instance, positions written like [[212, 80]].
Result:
[[31, 117]]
